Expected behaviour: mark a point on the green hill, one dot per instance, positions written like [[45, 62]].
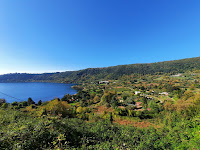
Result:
[[175, 66]]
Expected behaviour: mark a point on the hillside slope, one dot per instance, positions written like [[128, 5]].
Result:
[[113, 72]]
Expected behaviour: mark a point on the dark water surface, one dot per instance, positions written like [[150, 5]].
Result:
[[37, 91]]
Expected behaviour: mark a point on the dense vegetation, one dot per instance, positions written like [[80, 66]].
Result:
[[21, 131], [140, 110], [115, 72]]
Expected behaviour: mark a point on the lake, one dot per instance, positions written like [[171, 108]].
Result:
[[37, 91]]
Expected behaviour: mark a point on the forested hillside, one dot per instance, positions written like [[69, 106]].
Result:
[[172, 67]]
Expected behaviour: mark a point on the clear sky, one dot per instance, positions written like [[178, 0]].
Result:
[[59, 35]]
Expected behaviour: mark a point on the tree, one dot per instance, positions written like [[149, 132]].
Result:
[[4, 105], [14, 104], [142, 88], [24, 104], [2, 101], [108, 97], [130, 100], [83, 102], [110, 117], [56, 107], [96, 99], [92, 95], [125, 97], [66, 97], [154, 107], [30, 101], [44, 111], [144, 102], [40, 102]]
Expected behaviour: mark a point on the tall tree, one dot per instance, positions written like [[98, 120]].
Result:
[[40, 102], [30, 101]]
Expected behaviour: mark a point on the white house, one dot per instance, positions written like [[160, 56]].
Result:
[[164, 93], [101, 82], [137, 92]]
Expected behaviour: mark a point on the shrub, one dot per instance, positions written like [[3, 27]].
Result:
[[4, 105], [56, 107]]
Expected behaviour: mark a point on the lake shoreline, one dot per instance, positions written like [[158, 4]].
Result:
[[45, 91]]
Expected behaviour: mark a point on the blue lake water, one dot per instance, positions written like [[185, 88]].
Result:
[[37, 91]]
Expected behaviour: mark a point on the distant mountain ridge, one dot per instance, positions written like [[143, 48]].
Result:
[[114, 72]]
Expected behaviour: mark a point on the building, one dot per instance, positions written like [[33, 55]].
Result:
[[137, 92], [176, 75], [164, 93], [102, 82]]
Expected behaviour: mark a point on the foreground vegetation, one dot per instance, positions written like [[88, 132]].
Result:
[[22, 131]]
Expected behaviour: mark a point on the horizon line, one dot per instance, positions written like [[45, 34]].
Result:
[[59, 71]]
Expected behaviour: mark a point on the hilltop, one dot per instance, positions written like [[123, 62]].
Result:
[[113, 72]]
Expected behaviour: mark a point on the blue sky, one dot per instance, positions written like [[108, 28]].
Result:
[[51, 35]]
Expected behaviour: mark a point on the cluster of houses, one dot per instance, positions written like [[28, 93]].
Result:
[[103, 82], [142, 94], [138, 105]]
